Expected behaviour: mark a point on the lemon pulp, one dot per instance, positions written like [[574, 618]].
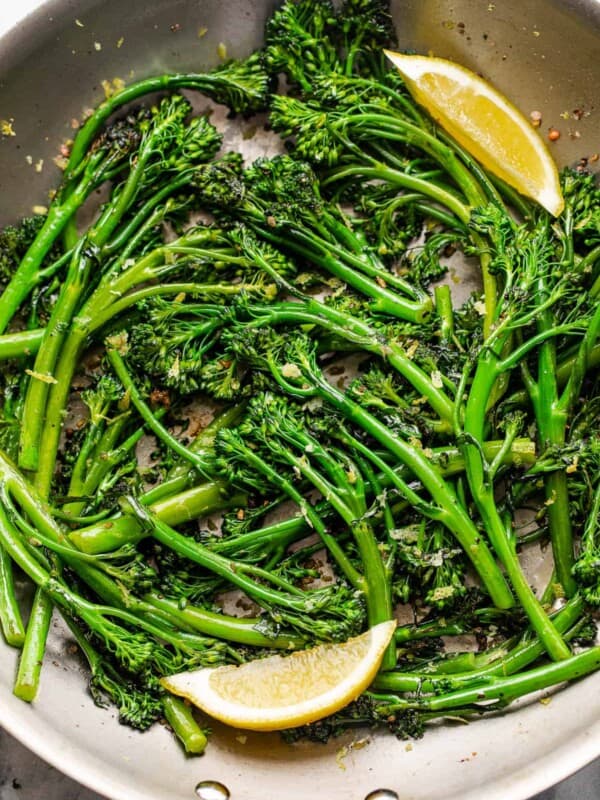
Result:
[[485, 123], [285, 691]]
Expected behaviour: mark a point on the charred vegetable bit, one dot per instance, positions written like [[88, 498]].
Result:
[[252, 380]]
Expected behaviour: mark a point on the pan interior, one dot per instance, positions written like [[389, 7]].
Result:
[[544, 56]]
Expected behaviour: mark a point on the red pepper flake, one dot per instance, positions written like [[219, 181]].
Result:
[[160, 397], [553, 134]]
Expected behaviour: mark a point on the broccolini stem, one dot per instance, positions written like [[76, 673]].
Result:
[[242, 630], [278, 535], [27, 679], [20, 343], [404, 181], [149, 417], [505, 689], [377, 588], [361, 257], [76, 280], [308, 512], [106, 313], [319, 252], [450, 512], [110, 534], [181, 476], [181, 719], [42, 374], [354, 329], [54, 591], [376, 585], [381, 127], [202, 82], [79, 331], [443, 306], [525, 653], [153, 608], [10, 615], [96, 459], [131, 228], [482, 491], [53, 417], [552, 411], [26, 276], [233, 571]]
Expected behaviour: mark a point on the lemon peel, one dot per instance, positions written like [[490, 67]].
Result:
[[485, 123], [280, 692]]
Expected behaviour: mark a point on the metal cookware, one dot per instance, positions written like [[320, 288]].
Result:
[[545, 56]]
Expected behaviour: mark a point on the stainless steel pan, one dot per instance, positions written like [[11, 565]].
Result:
[[545, 55]]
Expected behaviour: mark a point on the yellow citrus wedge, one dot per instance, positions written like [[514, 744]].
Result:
[[286, 691], [490, 128]]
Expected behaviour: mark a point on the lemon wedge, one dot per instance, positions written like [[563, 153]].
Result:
[[490, 128], [286, 691]]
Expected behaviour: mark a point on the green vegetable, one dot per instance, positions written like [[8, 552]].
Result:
[[277, 406]]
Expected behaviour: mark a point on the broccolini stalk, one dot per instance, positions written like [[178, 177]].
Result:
[[10, 615], [181, 475], [200, 500], [133, 650], [157, 610], [274, 424], [279, 593], [280, 201], [503, 690], [111, 152], [20, 343], [531, 251], [509, 662], [27, 679], [242, 85], [352, 329], [98, 401], [296, 357], [166, 144], [443, 307], [553, 409], [175, 500], [148, 416], [113, 295], [343, 324], [481, 485], [181, 719]]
